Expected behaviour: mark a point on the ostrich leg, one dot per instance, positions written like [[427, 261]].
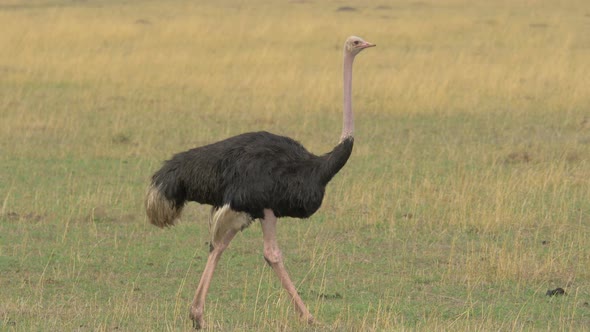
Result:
[[272, 255], [224, 224]]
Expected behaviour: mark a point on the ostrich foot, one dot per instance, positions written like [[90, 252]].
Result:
[[198, 325], [197, 318], [308, 319]]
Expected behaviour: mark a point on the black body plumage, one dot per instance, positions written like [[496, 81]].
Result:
[[252, 172]]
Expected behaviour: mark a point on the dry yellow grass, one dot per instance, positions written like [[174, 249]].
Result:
[[256, 60]]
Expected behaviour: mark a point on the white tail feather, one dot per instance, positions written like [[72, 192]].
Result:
[[160, 211]]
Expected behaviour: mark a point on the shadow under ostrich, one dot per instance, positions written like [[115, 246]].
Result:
[[255, 175]]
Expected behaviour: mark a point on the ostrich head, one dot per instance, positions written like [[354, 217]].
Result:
[[354, 45]]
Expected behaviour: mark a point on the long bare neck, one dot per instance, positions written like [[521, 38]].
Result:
[[336, 159], [348, 117]]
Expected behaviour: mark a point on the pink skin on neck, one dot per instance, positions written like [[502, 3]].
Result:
[[348, 117]]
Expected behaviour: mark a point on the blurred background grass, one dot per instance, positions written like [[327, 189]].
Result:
[[466, 198]]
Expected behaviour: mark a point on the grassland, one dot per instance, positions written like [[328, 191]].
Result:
[[467, 196]]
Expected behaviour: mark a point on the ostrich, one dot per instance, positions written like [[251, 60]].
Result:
[[250, 176]]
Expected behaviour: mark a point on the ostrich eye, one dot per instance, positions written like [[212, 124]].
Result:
[[356, 42]]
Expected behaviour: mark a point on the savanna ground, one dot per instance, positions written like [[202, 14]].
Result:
[[466, 198]]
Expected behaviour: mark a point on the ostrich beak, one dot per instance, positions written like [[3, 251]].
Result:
[[366, 45]]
